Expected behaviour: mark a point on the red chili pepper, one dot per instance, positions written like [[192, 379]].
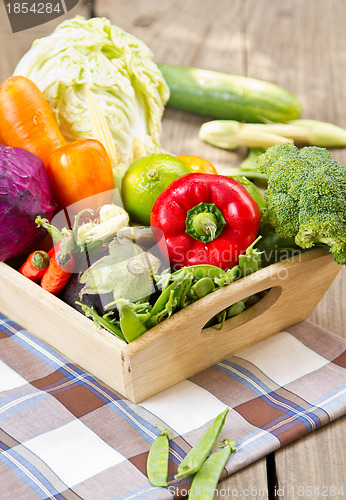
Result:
[[59, 271], [205, 219], [35, 265]]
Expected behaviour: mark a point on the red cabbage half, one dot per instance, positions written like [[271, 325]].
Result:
[[24, 194]]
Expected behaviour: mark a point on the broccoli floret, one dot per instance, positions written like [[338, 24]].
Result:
[[306, 196]]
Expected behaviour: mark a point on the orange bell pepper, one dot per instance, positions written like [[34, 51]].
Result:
[[198, 165], [80, 170]]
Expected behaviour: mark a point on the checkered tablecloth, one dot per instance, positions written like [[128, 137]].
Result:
[[64, 435]]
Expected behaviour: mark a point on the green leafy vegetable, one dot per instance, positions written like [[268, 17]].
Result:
[[306, 197], [116, 67], [127, 272]]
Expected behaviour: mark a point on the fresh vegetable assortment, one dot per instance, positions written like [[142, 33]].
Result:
[[129, 319], [79, 135], [207, 230]]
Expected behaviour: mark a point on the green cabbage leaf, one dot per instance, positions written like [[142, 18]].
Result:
[[116, 66]]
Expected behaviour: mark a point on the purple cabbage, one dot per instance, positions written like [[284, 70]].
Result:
[[24, 194]]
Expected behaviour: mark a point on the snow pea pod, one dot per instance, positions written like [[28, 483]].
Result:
[[182, 291], [203, 270], [131, 326], [157, 462], [166, 312], [236, 308], [102, 321], [250, 262], [203, 287], [205, 482], [160, 306], [198, 454]]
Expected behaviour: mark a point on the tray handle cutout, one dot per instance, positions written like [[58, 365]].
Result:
[[270, 298]]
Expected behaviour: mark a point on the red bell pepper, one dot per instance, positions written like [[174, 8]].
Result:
[[205, 219]]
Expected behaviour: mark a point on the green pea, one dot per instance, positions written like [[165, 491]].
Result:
[[198, 454], [205, 481], [157, 461]]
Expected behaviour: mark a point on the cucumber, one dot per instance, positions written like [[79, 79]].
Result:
[[228, 97]]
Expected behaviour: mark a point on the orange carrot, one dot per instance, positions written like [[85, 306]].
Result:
[[26, 120], [35, 265], [59, 271]]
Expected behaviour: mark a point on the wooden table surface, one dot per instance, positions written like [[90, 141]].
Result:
[[301, 45]]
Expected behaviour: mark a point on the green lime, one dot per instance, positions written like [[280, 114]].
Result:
[[145, 180]]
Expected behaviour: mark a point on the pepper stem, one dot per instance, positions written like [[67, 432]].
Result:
[[204, 222]]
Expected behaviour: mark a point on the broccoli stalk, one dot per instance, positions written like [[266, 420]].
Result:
[[306, 197]]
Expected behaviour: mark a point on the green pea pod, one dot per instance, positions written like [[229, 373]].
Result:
[[157, 462], [175, 295], [236, 308], [250, 262], [203, 270], [130, 325], [198, 454], [163, 299], [183, 289], [203, 287], [165, 312], [101, 321], [205, 482], [230, 275]]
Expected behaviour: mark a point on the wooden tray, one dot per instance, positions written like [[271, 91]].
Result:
[[179, 347]]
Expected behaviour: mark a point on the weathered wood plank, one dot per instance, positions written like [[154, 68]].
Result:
[[315, 465], [249, 482], [331, 311], [301, 45]]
